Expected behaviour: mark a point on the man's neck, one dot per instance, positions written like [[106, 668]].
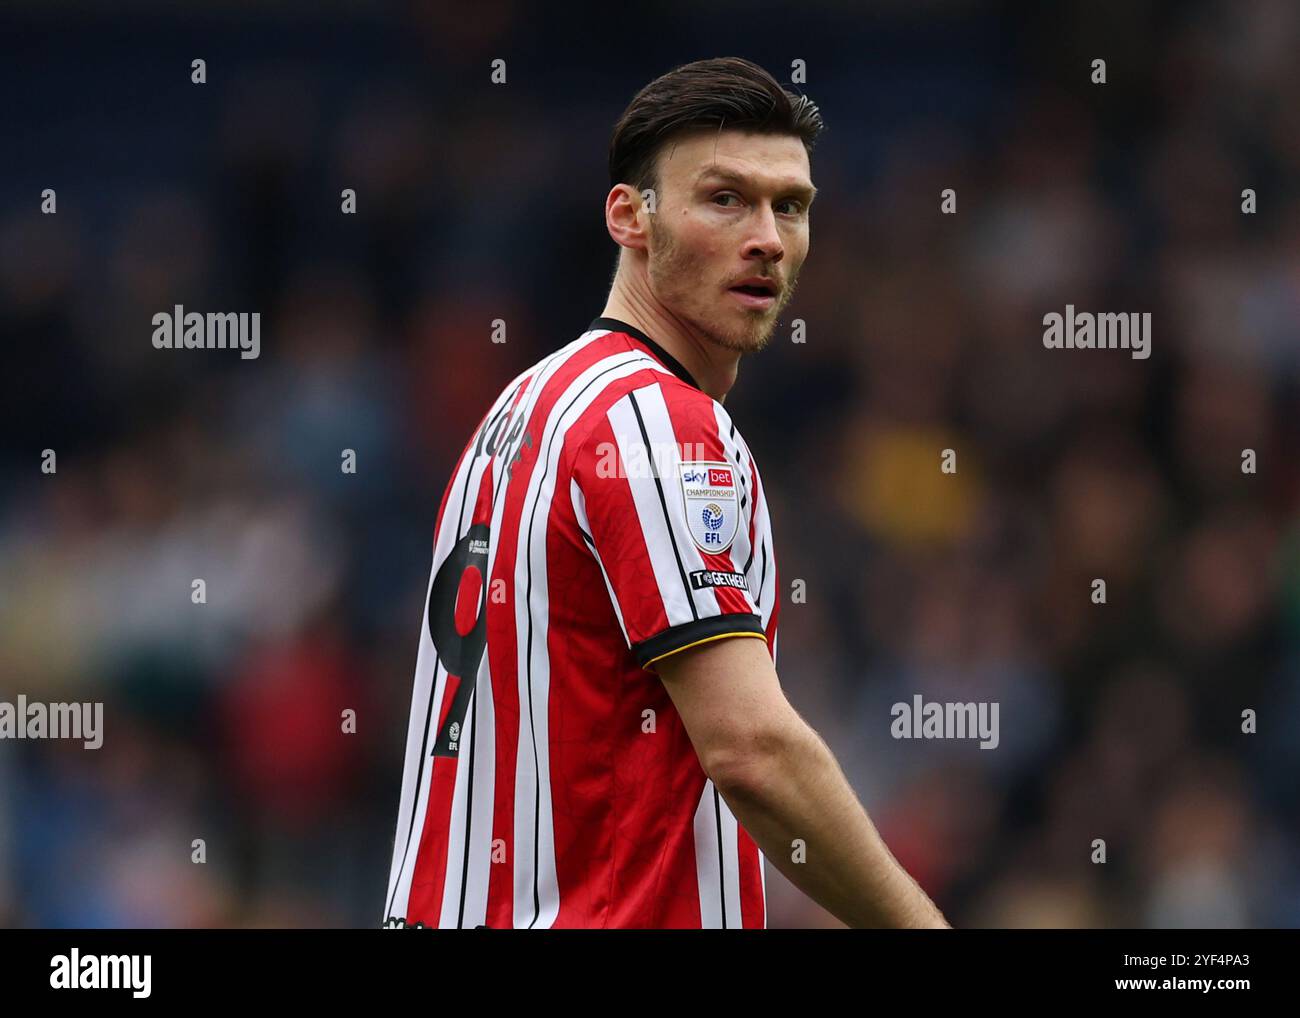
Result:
[[713, 367]]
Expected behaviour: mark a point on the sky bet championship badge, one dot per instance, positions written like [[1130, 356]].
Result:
[[712, 503]]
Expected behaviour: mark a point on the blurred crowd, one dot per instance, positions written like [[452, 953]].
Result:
[[1120, 722]]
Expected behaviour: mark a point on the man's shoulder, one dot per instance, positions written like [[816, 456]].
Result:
[[618, 378], [669, 375], [605, 364], [601, 350]]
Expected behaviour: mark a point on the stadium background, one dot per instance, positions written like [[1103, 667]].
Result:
[[479, 202]]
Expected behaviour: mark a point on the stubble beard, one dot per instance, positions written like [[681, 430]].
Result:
[[679, 281]]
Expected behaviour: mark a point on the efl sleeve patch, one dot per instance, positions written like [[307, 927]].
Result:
[[712, 503]]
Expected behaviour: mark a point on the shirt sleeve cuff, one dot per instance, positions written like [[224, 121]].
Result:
[[688, 634]]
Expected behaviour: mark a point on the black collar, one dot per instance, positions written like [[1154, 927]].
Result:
[[670, 362]]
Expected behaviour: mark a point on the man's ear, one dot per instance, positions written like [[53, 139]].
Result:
[[625, 217]]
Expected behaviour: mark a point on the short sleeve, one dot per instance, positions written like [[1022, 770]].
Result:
[[664, 506]]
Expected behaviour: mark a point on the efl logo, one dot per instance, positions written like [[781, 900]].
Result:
[[711, 502]]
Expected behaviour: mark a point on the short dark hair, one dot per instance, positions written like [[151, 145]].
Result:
[[721, 92]]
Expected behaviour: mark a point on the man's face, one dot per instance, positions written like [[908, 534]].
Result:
[[731, 206]]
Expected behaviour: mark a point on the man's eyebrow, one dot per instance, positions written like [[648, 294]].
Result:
[[807, 191]]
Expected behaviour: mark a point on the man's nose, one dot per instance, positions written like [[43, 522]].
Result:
[[765, 244]]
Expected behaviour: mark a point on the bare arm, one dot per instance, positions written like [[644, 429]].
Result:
[[783, 783]]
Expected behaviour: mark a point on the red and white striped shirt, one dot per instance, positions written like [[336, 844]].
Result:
[[605, 513]]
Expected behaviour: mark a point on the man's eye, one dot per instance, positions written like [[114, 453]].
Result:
[[795, 206], [726, 194]]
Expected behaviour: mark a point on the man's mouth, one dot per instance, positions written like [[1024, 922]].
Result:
[[756, 292]]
